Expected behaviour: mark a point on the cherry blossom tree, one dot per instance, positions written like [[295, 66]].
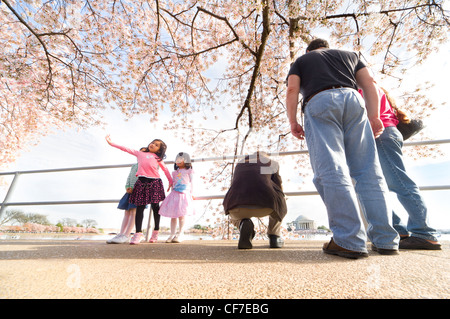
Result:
[[219, 67]]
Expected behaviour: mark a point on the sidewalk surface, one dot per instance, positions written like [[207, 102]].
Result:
[[214, 269]]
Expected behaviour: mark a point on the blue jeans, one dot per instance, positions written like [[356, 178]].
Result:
[[389, 146], [342, 149]]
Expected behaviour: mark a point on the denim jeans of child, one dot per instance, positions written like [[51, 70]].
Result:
[[346, 168], [389, 146]]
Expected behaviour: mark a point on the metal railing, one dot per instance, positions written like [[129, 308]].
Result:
[[17, 174]]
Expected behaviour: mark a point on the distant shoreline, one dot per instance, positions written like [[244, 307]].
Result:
[[106, 236], [70, 236], [163, 235], [24, 235]]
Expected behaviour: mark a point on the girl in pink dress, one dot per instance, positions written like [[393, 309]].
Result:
[[179, 203]]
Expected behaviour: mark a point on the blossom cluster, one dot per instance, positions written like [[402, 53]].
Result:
[[79, 230], [63, 62]]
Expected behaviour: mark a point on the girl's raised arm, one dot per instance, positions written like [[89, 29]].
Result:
[[122, 148], [108, 139]]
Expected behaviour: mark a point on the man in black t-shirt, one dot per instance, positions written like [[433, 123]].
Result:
[[339, 131]]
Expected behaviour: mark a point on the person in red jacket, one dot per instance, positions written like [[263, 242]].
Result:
[[417, 234]]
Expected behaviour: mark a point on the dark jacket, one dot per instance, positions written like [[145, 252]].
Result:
[[256, 182]]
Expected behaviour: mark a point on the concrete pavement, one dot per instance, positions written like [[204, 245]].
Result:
[[214, 269]]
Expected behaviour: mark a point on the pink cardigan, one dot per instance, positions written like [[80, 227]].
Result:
[[148, 163], [387, 114]]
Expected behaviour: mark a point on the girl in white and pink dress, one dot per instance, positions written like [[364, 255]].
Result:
[[179, 203]]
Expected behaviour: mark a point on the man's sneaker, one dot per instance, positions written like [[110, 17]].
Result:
[[332, 248], [137, 238], [418, 243], [276, 241], [384, 251]]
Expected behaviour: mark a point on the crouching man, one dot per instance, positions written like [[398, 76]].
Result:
[[256, 191]]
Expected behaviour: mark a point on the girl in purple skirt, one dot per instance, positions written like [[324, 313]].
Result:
[[149, 188]]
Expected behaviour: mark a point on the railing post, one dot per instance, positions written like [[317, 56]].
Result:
[[149, 224], [8, 194]]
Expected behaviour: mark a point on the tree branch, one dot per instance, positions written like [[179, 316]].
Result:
[[47, 54], [230, 26]]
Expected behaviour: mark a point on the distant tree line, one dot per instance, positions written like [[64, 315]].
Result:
[[17, 217]]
